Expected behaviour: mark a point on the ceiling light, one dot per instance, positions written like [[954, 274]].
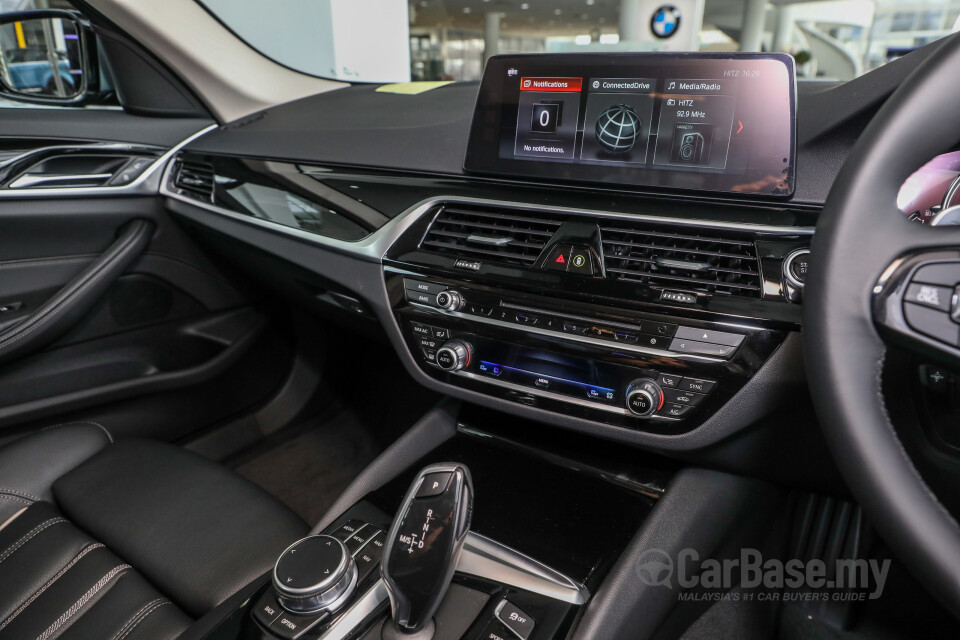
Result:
[[557, 12], [467, 9], [524, 6], [583, 39], [590, 3], [609, 38]]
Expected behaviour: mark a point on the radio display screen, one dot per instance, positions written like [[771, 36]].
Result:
[[722, 123]]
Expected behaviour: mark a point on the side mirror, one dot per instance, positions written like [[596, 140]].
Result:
[[48, 57]]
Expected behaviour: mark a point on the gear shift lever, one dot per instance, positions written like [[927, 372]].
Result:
[[424, 545]]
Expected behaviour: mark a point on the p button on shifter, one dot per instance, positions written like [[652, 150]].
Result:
[[434, 484]]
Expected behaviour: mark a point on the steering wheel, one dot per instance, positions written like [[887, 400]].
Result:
[[874, 279]]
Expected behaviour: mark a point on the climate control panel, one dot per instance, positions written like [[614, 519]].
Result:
[[636, 392], [619, 366]]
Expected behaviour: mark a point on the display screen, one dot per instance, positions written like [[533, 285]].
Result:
[[722, 123]]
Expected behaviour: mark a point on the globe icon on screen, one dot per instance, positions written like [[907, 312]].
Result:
[[618, 128]]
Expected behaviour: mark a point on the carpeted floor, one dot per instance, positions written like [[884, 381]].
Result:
[[309, 471]]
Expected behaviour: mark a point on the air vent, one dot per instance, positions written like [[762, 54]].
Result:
[[501, 236], [682, 258], [196, 179]]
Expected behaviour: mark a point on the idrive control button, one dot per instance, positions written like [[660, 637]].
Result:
[[291, 626], [515, 619], [348, 529], [267, 608]]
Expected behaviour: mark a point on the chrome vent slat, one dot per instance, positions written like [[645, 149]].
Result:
[[634, 276], [466, 236], [680, 236], [196, 178], [461, 249], [490, 235], [720, 262]]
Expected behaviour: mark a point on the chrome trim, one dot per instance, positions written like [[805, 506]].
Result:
[[595, 342], [28, 180], [498, 242], [355, 615], [791, 280], [148, 183], [372, 248], [486, 558]]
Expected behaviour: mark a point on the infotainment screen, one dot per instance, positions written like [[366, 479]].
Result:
[[715, 122]]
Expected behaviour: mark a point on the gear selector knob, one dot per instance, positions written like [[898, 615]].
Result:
[[424, 543]]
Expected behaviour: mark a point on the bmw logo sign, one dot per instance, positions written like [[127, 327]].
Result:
[[665, 21]]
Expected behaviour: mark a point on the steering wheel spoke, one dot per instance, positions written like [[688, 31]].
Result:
[[916, 303]]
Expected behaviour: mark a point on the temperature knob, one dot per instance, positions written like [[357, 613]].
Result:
[[644, 397], [449, 300], [454, 355]]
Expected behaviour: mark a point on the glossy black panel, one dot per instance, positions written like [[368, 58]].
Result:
[[276, 192], [566, 500]]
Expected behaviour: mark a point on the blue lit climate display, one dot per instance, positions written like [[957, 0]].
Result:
[[556, 384]]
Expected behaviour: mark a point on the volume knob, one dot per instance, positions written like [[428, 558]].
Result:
[[449, 300], [644, 397], [454, 355]]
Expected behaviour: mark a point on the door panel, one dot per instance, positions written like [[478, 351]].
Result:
[[174, 330]]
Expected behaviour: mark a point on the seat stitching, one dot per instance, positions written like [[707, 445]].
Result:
[[7, 496], [50, 582], [90, 422], [79, 604], [26, 538], [143, 617], [21, 494], [123, 630]]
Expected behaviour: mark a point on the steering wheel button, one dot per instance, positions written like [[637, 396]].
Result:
[[933, 323], [945, 274], [929, 295]]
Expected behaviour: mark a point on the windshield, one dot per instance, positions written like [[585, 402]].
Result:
[[397, 40]]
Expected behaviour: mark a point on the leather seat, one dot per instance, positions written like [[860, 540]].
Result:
[[125, 540]]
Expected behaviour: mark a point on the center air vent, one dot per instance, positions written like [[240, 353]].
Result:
[[195, 179], [502, 236], [684, 258]]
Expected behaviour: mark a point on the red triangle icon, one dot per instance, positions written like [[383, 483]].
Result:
[[560, 259]]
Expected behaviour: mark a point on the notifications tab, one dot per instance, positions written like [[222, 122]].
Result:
[[551, 84]]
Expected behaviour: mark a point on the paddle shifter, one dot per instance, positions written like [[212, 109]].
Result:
[[423, 548]]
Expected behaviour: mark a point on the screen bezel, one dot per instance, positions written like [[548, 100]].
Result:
[[483, 148]]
